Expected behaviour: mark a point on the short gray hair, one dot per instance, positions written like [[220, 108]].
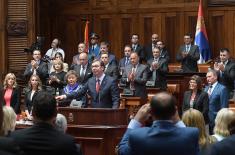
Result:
[[61, 123]]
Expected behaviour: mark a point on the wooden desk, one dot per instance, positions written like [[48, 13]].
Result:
[[94, 116]]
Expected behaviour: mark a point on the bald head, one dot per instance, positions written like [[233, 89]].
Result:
[[163, 106], [134, 58], [83, 58]]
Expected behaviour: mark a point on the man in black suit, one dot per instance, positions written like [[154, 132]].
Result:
[[163, 51], [42, 137], [126, 59], [104, 48], [81, 49], [188, 55], [158, 67], [148, 49], [84, 69], [135, 77], [226, 70], [102, 89], [110, 69], [137, 48], [37, 66]]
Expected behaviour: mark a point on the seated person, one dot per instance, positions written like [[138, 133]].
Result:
[[34, 86], [72, 87], [9, 120], [158, 69], [42, 138], [58, 56], [61, 123], [166, 136], [56, 78]]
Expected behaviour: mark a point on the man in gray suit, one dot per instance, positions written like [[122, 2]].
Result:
[[188, 55], [135, 77]]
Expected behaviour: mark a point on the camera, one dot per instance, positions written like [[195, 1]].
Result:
[[36, 45]]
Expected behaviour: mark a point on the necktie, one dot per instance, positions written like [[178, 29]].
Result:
[[82, 72], [187, 48], [97, 85], [93, 48], [127, 61], [209, 90]]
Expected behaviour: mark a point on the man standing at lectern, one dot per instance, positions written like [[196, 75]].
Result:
[[102, 89], [188, 55]]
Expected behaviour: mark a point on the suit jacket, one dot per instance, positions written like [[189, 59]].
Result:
[[112, 71], [149, 54], [162, 138], [140, 51], [223, 147], [41, 71], [161, 72], [15, 99], [9, 147], [88, 73], [27, 100], [43, 138], [122, 63], [107, 97], [201, 102], [189, 63], [228, 75], [140, 80], [217, 100]]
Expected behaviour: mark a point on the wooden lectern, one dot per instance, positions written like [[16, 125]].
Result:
[[97, 130]]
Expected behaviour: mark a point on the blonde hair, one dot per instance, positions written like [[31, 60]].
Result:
[[9, 120], [7, 77], [39, 82], [223, 119], [194, 118], [58, 62]]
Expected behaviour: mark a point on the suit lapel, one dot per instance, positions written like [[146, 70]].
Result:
[[214, 90]]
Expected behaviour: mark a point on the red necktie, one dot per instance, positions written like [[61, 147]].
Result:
[[97, 85]]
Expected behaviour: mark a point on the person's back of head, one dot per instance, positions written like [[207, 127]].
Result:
[[163, 106], [61, 123], [9, 120], [44, 107]]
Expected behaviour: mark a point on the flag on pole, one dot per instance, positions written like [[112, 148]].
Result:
[[201, 38], [86, 36]]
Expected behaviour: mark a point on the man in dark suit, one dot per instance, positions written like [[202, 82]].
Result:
[[110, 70], [163, 51], [158, 68], [148, 49], [104, 48], [81, 49], [84, 69], [226, 70], [218, 97], [188, 55], [102, 89], [165, 137], [135, 77], [94, 47], [137, 48], [37, 66], [42, 137], [126, 59]]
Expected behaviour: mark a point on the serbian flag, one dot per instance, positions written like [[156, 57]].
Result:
[[201, 38], [86, 36]]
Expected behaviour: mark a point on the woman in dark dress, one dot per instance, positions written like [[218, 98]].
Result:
[[196, 98], [34, 86], [56, 79]]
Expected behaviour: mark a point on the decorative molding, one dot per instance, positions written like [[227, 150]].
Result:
[[17, 28]]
